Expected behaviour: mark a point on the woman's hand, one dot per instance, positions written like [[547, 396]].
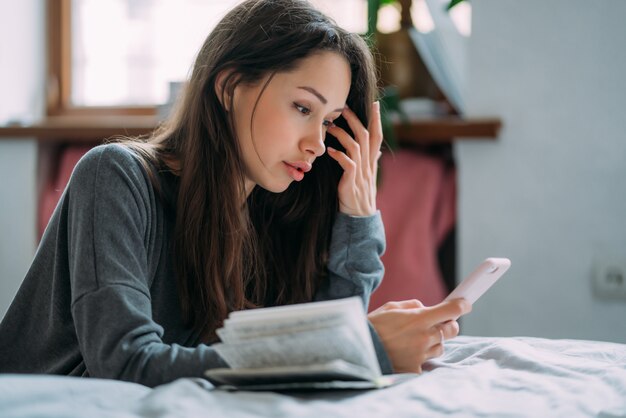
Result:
[[413, 334], [357, 187]]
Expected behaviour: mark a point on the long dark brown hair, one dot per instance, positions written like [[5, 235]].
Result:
[[274, 250]]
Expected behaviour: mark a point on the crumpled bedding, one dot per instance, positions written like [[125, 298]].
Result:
[[477, 376]]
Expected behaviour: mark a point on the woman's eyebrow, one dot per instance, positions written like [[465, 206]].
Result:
[[318, 95]]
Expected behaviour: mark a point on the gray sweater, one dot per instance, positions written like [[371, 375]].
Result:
[[100, 297]]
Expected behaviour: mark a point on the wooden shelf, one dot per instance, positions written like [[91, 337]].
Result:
[[82, 128], [90, 129], [447, 129]]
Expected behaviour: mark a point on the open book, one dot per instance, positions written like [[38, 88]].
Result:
[[310, 345]]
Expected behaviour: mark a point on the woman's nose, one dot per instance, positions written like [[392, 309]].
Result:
[[314, 143]]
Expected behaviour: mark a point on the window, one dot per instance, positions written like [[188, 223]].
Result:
[[121, 55]]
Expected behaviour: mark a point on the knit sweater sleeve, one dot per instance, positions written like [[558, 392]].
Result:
[[355, 267], [110, 232]]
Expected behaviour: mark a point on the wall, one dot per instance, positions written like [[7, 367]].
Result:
[[22, 69], [551, 193]]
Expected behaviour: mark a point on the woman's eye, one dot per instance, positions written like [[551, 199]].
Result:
[[306, 111], [302, 109]]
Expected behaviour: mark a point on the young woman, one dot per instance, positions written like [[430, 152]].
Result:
[[259, 191]]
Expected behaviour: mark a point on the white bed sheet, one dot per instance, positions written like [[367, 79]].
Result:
[[476, 377]]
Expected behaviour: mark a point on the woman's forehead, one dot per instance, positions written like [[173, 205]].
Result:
[[325, 74]]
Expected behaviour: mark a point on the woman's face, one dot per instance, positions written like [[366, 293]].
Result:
[[286, 134]]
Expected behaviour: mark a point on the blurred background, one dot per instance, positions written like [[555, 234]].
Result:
[[504, 120]]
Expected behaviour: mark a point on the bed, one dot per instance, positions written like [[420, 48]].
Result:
[[477, 376]]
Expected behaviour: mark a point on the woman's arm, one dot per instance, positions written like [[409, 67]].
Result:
[[112, 238], [354, 264], [355, 268], [358, 237]]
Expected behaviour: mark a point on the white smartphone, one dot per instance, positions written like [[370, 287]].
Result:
[[481, 279]]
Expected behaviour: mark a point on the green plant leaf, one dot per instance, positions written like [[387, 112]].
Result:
[[390, 103], [453, 3], [372, 19]]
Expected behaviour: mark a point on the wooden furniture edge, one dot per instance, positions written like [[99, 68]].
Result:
[[88, 129]]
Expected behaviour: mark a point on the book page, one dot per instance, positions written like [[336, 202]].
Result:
[[347, 305], [233, 332], [298, 335], [300, 349]]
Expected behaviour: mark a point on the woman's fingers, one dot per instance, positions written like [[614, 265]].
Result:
[[361, 135], [450, 329], [447, 310], [370, 139], [444, 331], [357, 188], [407, 334], [347, 164], [436, 350], [438, 335], [352, 147], [406, 304]]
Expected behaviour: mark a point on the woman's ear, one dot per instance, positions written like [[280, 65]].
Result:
[[222, 91]]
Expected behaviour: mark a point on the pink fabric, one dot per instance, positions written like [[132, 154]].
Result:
[[417, 199], [59, 178]]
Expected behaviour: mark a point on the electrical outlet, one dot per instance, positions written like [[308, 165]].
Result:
[[609, 277]]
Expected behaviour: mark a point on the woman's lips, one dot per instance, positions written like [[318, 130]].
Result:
[[301, 165], [295, 174]]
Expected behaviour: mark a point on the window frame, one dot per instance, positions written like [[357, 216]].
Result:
[[59, 71]]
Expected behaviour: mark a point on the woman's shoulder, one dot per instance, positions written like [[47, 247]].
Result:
[[107, 153], [109, 163]]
